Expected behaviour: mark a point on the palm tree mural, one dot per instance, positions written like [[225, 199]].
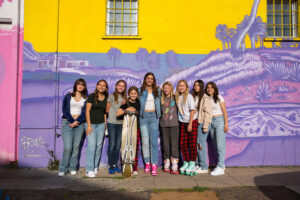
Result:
[[241, 33], [230, 33], [257, 29], [114, 54], [221, 34], [171, 59], [141, 56], [153, 60]]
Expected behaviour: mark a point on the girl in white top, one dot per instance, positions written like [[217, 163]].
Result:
[[188, 126], [73, 121], [219, 125]]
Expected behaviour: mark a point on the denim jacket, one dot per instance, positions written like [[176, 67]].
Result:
[[143, 98], [67, 112]]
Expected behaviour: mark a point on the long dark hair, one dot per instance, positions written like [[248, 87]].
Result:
[[105, 93], [200, 93], [83, 92], [129, 90], [216, 91], [154, 86], [123, 94]]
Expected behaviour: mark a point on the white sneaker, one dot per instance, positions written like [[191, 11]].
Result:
[[90, 174], [135, 173], [96, 170], [61, 173], [73, 173], [199, 170], [217, 171]]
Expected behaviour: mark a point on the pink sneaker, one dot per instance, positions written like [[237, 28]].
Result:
[[154, 170], [147, 168]]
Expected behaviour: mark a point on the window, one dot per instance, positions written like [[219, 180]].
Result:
[[122, 17], [282, 18]]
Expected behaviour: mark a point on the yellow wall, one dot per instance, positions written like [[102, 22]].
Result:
[[187, 27]]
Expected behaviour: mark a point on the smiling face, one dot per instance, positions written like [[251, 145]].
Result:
[[120, 87], [196, 87], [149, 80], [210, 90], [182, 87], [167, 90], [133, 95], [101, 87]]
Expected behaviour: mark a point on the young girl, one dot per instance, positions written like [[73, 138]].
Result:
[[132, 105], [204, 119], [95, 126], [73, 108], [114, 125], [188, 127], [219, 125], [170, 128], [149, 115]]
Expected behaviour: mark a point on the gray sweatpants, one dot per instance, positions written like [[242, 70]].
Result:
[[170, 136]]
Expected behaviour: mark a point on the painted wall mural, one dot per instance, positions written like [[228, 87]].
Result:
[[11, 42], [261, 87]]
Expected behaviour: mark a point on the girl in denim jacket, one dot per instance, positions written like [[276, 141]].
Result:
[[149, 119]]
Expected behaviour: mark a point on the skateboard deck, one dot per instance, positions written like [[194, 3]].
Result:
[[128, 145]]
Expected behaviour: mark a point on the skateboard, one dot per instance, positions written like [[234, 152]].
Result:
[[128, 146]]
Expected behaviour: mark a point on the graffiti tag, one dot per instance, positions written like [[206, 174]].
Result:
[[30, 144]]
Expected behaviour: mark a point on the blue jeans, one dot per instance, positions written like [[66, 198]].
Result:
[[202, 153], [71, 139], [94, 148], [219, 138], [149, 132], [114, 138]]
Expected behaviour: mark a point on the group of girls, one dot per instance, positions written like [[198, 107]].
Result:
[[184, 119]]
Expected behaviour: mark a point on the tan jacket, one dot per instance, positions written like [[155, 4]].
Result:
[[205, 113]]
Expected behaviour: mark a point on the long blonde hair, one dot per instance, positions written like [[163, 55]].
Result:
[[185, 94], [163, 96]]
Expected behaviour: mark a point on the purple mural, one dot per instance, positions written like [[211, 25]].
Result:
[[261, 87]]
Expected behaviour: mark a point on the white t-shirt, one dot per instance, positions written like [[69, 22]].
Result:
[[150, 102], [216, 108], [76, 106], [196, 107], [185, 108]]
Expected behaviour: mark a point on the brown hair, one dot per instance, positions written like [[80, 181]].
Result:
[[84, 91], [123, 94], [154, 86], [105, 93], [200, 93], [216, 91], [129, 90]]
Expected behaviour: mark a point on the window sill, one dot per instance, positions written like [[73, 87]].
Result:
[[296, 39], [121, 37]]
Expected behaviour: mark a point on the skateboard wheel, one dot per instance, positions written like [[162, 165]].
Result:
[[127, 171]]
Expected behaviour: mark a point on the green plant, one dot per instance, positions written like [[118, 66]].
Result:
[[53, 163]]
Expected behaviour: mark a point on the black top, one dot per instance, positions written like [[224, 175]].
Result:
[[97, 110], [136, 105]]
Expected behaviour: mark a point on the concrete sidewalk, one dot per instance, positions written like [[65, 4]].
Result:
[[42, 179]]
